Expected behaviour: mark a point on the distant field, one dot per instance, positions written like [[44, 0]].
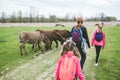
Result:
[[10, 59], [86, 23]]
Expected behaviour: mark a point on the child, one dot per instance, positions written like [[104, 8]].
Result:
[[98, 40], [69, 50]]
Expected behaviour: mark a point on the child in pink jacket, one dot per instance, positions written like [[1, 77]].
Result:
[[70, 49], [98, 40]]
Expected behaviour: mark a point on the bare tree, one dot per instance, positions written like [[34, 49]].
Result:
[[3, 17], [20, 16], [13, 17], [43, 19], [32, 14], [52, 18], [102, 16], [30, 18], [26, 18], [37, 18], [67, 17]]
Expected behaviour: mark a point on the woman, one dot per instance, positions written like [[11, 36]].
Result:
[[98, 40], [83, 35]]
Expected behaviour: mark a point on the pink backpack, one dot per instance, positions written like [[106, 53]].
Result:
[[67, 68]]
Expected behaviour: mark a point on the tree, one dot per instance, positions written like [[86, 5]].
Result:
[[20, 16], [102, 16], [13, 17], [52, 18], [30, 18], [42, 18], [26, 18], [67, 17], [110, 18], [3, 17], [37, 18]]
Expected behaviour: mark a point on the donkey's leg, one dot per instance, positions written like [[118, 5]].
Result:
[[39, 45], [56, 43], [24, 49], [21, 50], [35, 47], [50, 44]]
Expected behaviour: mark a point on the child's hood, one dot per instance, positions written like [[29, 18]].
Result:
[[69, 53]]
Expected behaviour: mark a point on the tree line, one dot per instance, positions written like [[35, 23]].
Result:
[[102, 17], [30, 18]]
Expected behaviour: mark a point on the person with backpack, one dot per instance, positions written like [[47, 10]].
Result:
[[98, 40], [80, 37], [68, 66]]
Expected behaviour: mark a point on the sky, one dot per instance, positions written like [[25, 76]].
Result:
[[76, 8]]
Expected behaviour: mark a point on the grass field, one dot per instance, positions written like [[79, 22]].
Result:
[[109, 68], [10, 59]]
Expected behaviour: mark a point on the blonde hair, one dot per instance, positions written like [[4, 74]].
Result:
[[70, 46]]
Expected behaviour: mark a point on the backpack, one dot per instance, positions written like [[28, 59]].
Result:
[[98, 36], [76, 35], [67, 68], [84, 46]]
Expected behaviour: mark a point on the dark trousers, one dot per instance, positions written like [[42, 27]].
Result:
[[83, 55], [98, 49]]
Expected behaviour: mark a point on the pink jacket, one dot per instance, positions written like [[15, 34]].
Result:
[[94, 42], [78, 68]]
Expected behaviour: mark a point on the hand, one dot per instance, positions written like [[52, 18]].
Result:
[[91, 47]]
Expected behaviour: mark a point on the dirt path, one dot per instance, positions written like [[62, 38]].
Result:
[[43, 67]]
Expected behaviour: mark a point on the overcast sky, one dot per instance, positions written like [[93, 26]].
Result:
[[85, 8]]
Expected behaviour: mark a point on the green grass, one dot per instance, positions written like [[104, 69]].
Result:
[[109, 59], [109, 68], [109, 62]]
